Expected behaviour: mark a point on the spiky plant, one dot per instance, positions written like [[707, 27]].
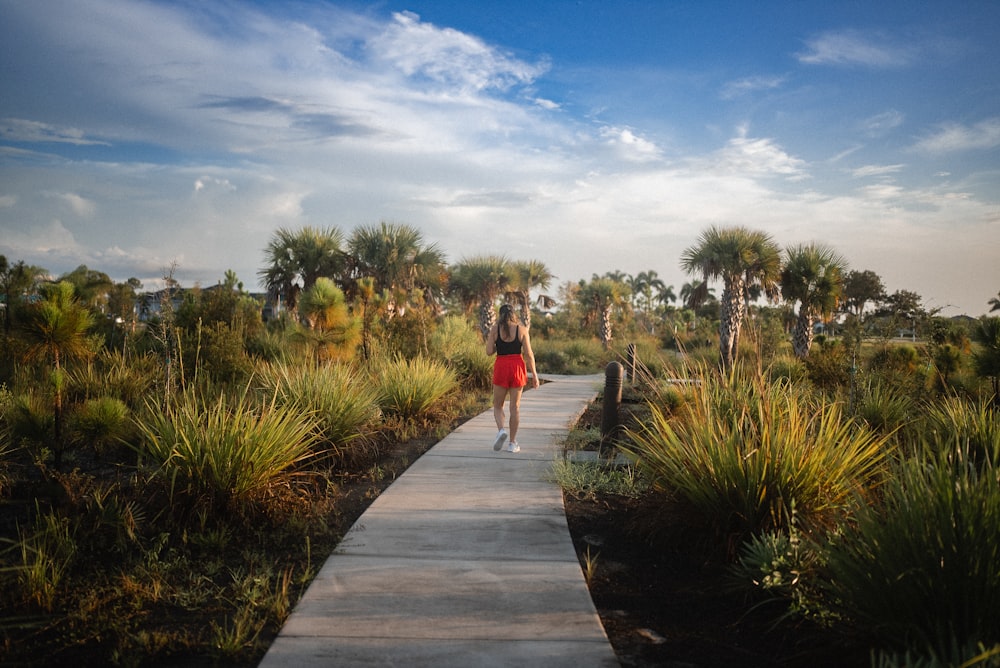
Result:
[[741, 452], [411, 387], [224, 450]]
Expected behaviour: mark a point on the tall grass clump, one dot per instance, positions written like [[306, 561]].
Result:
[[577, 356], [101, 424], [458, 343], [344, 402], [47, 552], [741, 452], [112, 374], [884, 407], [29, 422], [962, 426], [410, 388], [588, 479], [919, 569], [224, 450]]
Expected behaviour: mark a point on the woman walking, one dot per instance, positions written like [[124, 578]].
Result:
[[511, 344]]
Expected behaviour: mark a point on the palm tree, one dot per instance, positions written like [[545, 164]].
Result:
[[644, 285], [525, 277], [55, 328], [744, 259], [599, 298], [331, 327], [995, 303], [665, 296], [397, 259], [477, 282], [986, 358], [813, 277], [296, 259]]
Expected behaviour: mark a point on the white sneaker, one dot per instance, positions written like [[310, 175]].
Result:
[[499, 440], [513, 447]]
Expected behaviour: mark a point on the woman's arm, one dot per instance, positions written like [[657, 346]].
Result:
[[530, 357]]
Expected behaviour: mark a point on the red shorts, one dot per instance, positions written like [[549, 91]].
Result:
[[509, 371]]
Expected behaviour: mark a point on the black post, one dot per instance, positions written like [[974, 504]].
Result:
[[612, 399]]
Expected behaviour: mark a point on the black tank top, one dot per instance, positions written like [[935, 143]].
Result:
[[509, 347]]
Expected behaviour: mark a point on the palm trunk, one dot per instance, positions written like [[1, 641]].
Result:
[[606, 333], [731, 312], [803, 337], [487, 316]]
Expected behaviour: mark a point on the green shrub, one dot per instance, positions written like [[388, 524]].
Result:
[[920, 568], [787, 367], [829, 366], [781, 566], [741, 452], [577, 356], [411, 387], [221, 353], [226, 450], [29, 421], [548, 360], [46, 553], [101, 424], [588, 479], [458, 343], [343, 401], [884, 408], [955, 427], [112, 374]]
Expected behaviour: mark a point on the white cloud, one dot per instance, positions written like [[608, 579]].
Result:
[[951, 137], [78, 204], [880, 124], [449, 57], [852, 47], [758, 157], [875, 170], [740, 87], [201, 183], [628, 146], [22, 130]]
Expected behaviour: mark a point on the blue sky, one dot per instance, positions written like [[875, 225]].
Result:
[[593, 136]]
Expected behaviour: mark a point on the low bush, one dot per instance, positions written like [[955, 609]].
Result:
[[460, 346], [410, 388], [341, 398], [573, 357], [741, 452], [224, 451], [919, 569], [101, 424], [884, 408], [584, 479]]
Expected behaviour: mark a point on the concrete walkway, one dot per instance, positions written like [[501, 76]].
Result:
[[465, 560]]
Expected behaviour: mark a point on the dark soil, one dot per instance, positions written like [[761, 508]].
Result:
[[668, 607]]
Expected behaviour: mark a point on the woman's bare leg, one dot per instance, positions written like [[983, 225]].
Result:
[[499, 394], [514, 394]]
